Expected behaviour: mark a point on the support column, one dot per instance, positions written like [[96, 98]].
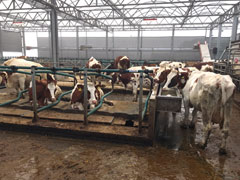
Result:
[[172, 42], [77, 42], [235, 25], [54, 36], [1, 49], [107, 43], [86, 43], [23, 42], [210, 38], [113, 45], [219, 38], [49, 43], [138, 43]]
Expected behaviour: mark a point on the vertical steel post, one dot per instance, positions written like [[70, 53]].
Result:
[[85, 103], [1, 47], [54, 35], [34, 94], [210, 38], [235, 25], [140, 103], [77, 42], [107, 43], [219, 38], [23, 42], [172, 42], [86, 43], [113, 45], [138, 44]]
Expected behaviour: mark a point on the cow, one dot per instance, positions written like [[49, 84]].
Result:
[[47, 91], [199, 65], [20, 81], [94, 64], [210, 93], [131, 80], [77, 96], [122, 62], [3, 78]]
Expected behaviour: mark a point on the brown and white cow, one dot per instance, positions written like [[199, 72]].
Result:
[[47, 91], [94, 64], [210, 93], [131, 80], [77, 96], [122, 62], [199, 65]]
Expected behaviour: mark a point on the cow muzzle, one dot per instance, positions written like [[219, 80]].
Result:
[[94, 102], [53, 99]]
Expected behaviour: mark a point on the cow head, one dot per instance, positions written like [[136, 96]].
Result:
[[3, 78], [124, 63], [51, 88], [161, 75], [93, 63], [177, 79], [94, 94]]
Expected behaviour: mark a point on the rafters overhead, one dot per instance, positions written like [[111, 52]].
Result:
[[118, 15]]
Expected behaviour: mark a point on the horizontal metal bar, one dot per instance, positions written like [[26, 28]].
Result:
[[100, 103], [14, 100], [54, 103]]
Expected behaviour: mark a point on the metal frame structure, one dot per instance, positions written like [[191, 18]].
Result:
[[118, 15], [115, 15]]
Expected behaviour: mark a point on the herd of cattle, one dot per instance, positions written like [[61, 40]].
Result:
[[200, 87]]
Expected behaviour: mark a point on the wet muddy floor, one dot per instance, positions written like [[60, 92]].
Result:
[[174, 156]]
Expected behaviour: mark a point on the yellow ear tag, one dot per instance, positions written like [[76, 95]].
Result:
[[182, 77], [80, 89]]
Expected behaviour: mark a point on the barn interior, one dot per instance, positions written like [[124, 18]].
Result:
[[62, 36]]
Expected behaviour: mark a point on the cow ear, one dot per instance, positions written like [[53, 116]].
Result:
[[50, 77], [98, 87]]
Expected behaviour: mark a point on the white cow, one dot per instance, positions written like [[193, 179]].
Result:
[[20, 81], [209, 93]]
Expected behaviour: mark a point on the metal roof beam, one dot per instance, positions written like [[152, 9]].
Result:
[[120, 13], [64, 12], [188, 11], [226, 16]]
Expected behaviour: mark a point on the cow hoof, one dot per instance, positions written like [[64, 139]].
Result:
[[134, 100], [110, 104], [192, 126], [183, 126], [201, 146], [222, 151]]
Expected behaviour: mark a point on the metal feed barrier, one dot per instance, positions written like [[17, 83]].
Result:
[[35, 71]]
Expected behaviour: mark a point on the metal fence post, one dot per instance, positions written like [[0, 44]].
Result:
[[85, 97], [140, 103], [34, 94]]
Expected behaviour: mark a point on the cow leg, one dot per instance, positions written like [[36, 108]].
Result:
[[186, 115], [22, 85], [80, 106], [194, 118], [225, 127], [108, 102], [206, 116]]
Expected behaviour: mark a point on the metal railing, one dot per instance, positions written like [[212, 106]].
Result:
[[36, 71]]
